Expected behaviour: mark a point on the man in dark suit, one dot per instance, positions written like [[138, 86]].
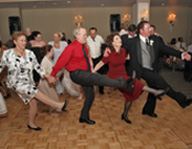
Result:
[[132, 32], [144, 51]]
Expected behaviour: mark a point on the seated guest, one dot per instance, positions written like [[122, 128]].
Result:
[[20, 63], [181, 45]]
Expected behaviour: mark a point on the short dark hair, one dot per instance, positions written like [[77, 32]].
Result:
[[132, 28], [180, 39], [173, 41], [141, 25], [93, 28], [0, 44], [35, 33], [153, 26]]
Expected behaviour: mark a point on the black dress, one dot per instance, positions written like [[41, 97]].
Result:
[[39, 56]]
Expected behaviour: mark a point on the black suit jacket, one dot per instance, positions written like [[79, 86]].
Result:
[[133, 47]]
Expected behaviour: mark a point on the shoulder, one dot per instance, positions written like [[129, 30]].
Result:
[[63, 42], [51, 43]]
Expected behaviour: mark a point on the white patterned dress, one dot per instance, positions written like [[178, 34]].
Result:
[[20, 73]]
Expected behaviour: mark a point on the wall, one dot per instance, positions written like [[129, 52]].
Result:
[[4, 23], [49, 21], [52, 20], [159, 17]]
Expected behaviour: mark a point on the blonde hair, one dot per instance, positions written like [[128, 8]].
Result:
[[59, 34], [16, 35]]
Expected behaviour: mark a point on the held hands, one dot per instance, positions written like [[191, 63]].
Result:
[[50, 79], [186, 56]]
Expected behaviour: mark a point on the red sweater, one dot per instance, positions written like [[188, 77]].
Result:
[[72, 58]]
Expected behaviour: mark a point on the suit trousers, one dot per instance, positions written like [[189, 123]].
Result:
[[87, 80], [154, 80], [101, 71]]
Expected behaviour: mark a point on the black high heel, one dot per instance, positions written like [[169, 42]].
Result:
[[36, 129], [125, 119], [159, 95], [65, 105]]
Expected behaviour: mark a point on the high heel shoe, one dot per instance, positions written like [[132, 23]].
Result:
[[125, 119], [65, 105], [159, 95], [36, 129]]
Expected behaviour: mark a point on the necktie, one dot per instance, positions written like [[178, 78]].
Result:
[[180, 44], [147, 42], [88, 65]]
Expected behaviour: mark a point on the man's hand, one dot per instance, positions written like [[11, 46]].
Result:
[[106, 52], [186, 56]]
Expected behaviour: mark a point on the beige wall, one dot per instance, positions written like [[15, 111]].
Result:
[[49, 21], [159, 17], [4, 22], [62, 19]]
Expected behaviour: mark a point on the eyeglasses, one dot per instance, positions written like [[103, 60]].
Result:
[[22, 40]]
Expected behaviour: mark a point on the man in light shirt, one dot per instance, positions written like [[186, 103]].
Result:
[[94, 42]]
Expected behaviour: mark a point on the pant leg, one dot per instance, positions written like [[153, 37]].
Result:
[[154, 80], [87, 78], [89, 98], [100, 71]]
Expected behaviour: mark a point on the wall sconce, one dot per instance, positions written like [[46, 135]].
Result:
[[126, 19], [144, 15], [171, 18], [78, 20]]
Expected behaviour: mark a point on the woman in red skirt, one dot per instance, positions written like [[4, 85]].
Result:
[[116, 61]]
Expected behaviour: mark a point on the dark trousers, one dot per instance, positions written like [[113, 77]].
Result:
[[154, 80], [101, 71], [87, 80]]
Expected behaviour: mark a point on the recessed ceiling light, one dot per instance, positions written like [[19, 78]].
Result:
[[68, 2], [102, 5], [162, 4], [34, 6], [55, 3]]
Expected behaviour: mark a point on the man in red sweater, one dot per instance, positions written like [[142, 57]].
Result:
[[75, 59]]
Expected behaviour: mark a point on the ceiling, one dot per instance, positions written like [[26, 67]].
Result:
[[87, 3]]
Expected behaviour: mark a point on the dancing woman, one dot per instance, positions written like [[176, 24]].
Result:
[[116, 61], [20, 63]]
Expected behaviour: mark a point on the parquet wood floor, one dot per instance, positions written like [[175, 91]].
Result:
[[171, 130]]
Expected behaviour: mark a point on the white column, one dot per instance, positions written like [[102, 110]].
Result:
[[141, 11]]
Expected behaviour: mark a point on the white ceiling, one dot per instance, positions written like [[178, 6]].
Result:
[[87, 3]]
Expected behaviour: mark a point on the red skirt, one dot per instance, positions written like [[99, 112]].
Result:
[[132, 95]]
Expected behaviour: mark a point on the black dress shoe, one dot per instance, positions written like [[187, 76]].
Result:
[[65, 105], [125, 119], [188, 102], [36, 129], [165, 92], [150, 114], [90, 122], [101, 92]]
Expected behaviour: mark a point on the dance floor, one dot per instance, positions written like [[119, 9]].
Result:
[[172, 129]]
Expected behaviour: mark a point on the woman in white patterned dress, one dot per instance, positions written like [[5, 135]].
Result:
[[20, 63]]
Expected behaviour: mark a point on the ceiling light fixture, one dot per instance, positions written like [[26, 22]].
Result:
[[102, 4], [68, 2], [162, 4]]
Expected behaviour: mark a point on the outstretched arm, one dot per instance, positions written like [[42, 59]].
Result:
[[98, 66]]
